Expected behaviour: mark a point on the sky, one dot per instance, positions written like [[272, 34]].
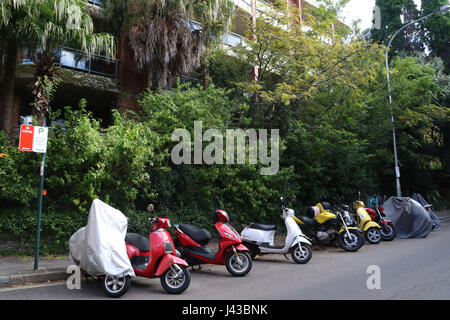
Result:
[[362, 9]]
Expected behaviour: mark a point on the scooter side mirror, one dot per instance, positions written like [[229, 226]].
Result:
[[150, 208]]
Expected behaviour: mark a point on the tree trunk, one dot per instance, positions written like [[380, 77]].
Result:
[[207, 75], [149, 78], [2, 52], [7, 88], [45, 67], [445, 156]]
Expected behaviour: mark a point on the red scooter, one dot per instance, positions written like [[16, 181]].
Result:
[[387, 230], [192, 243], [152, 258]]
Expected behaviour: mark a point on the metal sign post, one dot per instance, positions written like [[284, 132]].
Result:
[[38, 228], [35, 139]]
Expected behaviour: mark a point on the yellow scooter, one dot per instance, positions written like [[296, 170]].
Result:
[[364, 222]]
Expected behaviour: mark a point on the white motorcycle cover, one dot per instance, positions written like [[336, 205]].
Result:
[[99, 247]]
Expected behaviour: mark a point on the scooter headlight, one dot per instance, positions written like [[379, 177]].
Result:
[[347, 218]]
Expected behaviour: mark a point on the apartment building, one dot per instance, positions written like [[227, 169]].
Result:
[[110, 83]]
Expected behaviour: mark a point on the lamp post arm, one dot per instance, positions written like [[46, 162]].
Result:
[[407, 25], [390, 43]]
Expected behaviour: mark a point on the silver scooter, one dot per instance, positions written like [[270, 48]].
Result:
[[259, 238]]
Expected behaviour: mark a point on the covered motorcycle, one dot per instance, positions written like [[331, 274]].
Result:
[[99, 247]]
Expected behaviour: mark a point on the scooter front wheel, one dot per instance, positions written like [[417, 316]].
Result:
[[301, 253], [373, 235], [176, 279], [116, 286], [239, 263], [351, 242]]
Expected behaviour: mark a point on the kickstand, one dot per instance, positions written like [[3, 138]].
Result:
[[286, 257]]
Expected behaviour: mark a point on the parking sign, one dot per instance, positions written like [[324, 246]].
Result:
[[33, 138], [40, 139]]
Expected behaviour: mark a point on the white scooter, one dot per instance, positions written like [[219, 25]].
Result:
[[259, 238]]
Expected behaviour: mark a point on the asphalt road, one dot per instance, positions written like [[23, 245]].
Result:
[[408, 269]]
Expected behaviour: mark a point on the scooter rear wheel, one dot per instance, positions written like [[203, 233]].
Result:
[[239, 265], [254, 249], [116, 286], [176, 279], [388, 232]]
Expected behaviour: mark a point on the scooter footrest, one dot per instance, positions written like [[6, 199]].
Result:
[[205, 252]]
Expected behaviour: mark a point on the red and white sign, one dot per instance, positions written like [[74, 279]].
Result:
[[33, 138]]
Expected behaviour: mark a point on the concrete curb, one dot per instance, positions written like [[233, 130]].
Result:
[[38, 276]]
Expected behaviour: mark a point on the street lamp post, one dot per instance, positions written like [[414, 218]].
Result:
[[441, 10]]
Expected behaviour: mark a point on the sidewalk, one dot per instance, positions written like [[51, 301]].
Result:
[[19, 270]]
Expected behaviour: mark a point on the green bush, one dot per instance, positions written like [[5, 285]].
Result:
[[19, 174], [191, 190], [56, 228], [86, 162]]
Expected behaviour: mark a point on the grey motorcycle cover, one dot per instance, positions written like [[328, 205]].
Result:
[[99, 247], [409, 217], [434, 219]]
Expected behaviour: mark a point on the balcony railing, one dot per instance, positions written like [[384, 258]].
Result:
[[70, 58], [232, 39], [262, 5], [95, 2]]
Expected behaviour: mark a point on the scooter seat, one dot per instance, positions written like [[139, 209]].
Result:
[[265, 227], [308, 221], [138, 241], [202, 236]]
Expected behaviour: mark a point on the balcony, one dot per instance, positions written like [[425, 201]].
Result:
[[95, 2], [245, 5], [263, 6], [232, 39], [70, 58]]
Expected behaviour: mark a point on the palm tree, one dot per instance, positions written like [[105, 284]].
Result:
[[168, 37], [14, 17], [58, 23], [44, 26]]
